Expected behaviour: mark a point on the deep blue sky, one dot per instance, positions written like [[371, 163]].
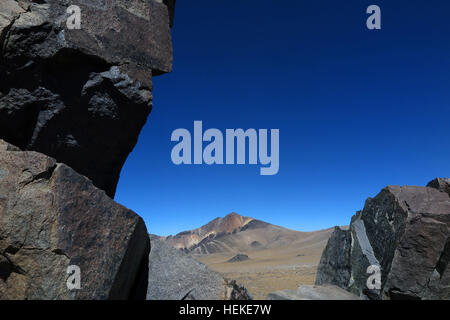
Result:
[[357, 109]]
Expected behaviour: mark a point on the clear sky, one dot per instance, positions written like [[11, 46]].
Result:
[[357, 109]]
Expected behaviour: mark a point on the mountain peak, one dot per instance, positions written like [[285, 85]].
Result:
[[229, 224], [239, 234], [232, 214], [232, 222]]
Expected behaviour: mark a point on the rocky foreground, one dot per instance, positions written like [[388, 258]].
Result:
[[305, 292], [175, 275], [83, 95], [72, 104], [404, 233], [51, 218]]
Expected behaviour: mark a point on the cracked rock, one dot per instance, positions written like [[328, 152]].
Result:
[[335, 261], [403, 231], [51, 218], [81, 96], [175, 275]]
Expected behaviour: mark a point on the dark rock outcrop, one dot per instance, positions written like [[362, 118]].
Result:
[[442, 184], [256, 245], [239, 257], [72, 102], [171, 5], [81, 96], [334, 264], [404, 233], [175, 275], [51, 218], [236, 292]]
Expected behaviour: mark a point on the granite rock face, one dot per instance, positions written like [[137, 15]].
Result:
[[52, 218], [404, 234], [175, 275], [81, 96]]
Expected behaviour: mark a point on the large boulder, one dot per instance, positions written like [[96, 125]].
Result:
[[442, 184], [83, 95], [403, 235], [52, 218], [175, 275]]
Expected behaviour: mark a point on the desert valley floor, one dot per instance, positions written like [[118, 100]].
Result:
[[269, 270], [278, 258]]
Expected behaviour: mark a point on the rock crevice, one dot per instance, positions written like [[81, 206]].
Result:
[[60, 220], [405, 231]]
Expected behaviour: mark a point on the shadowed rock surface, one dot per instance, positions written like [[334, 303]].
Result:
[[335, 261], [50, 218], [442, 184], [81, 96], [174, 275], [403, 231], [326, 292]]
